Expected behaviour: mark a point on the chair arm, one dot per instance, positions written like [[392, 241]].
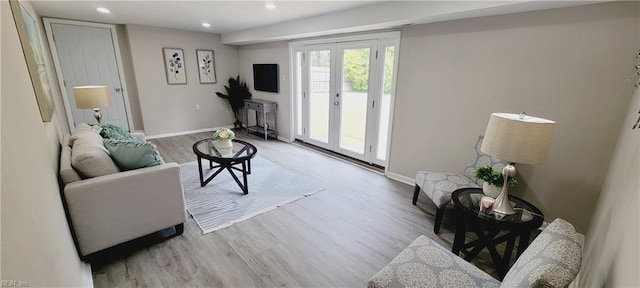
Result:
[[115, 208]]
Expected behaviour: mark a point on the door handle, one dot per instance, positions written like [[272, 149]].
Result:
[[118, 89], [336, 103]]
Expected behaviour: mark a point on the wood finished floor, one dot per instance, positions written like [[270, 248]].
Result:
[[339, 237]]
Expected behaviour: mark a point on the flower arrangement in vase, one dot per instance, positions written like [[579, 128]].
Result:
[[493, 180], [223, 142]]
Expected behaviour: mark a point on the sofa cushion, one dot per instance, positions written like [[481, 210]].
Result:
[[131, 155], [110, 131], [67, 173], [439, 186], [88, 155]]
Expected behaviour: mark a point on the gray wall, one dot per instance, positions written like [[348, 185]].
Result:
[[172, 108], [37, 246], [611, 254], [129, 75], [270, 53], [570, 65]]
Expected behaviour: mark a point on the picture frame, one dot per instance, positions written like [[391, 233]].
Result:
[[206, 66], [34, 55], [174, 66]]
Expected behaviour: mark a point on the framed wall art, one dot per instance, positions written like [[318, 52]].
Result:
[[174, 66], [34, 56], [206, 66]]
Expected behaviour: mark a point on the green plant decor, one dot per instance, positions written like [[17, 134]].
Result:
[[237, 91], [493, 177]]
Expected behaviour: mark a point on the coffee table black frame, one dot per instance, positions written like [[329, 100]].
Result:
[[242, 156], [488, 226]]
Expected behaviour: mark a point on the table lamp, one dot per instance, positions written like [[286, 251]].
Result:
[[516, 138], [92, 97]]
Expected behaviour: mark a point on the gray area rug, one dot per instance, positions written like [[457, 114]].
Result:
[[221, 203]]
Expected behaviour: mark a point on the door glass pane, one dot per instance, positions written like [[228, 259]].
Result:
[[353, 99], [385, 103], [319, 98], [298, 93]]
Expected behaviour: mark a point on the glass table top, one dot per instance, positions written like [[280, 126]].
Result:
[[206, 148], [470, 202]]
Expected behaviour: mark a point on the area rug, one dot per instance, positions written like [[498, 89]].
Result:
[[221, 203]]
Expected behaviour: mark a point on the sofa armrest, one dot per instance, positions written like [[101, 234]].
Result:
[[116, 208], [138, 135]]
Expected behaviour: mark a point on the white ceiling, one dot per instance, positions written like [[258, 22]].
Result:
[[224, 16], [245, 22]]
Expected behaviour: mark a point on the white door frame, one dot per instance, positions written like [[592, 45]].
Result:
[[390, 37], [58, 67]]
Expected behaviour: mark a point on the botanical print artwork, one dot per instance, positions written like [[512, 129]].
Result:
[[34, 55], [174, 66], [206, 66]]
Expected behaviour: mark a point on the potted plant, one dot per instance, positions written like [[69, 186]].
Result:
[[493, 180], [223, 142], [237, 91]]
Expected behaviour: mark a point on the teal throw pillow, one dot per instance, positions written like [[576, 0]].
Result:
[[130, 155], [110, 131]]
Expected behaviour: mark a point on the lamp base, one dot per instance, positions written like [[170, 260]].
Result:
[[97, 114], [502, 204]]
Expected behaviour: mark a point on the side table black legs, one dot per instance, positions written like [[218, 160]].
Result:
[[229, 166]]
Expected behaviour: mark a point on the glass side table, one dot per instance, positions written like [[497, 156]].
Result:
[[488, 227]]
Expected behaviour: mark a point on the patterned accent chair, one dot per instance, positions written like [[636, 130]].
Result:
[[439, 185], [552, 260]]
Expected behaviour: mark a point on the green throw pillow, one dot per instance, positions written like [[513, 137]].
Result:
[[130, 155], [110, 131]]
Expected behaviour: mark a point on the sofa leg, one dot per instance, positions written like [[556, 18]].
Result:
[[416, 192], [179, 229], [439, 214]]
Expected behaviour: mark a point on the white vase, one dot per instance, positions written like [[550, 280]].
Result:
[[224, 146], [491, 190]]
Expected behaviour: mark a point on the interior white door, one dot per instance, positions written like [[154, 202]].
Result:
[[87, 57]]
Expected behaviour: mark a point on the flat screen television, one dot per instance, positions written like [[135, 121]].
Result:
[[265, 77]]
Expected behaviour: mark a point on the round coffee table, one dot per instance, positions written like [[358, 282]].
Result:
[[487, 226], [241, 154]]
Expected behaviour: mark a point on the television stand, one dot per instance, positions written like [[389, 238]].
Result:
[[262, 108]]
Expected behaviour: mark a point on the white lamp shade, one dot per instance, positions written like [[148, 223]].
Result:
[[518, 138], [90, 97]]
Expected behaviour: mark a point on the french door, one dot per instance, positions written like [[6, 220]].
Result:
[[342, 95]]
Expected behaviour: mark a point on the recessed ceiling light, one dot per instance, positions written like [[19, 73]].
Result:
[[103, 10], [205, 24], [269, 5]]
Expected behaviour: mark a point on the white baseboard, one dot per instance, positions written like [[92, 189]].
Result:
[[287, 140], [186, 132], [400, 178], [87, 276]]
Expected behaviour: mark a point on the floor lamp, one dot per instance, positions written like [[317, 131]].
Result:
[[516, 138], [92, 97]]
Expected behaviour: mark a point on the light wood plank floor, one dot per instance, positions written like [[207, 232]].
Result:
[[339, 237]]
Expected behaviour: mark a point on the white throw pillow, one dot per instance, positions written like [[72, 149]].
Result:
[[88, 155]]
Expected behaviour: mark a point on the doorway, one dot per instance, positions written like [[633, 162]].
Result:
[[87, 54], [343, 94]]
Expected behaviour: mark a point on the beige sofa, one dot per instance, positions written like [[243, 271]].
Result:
[[118, 207]]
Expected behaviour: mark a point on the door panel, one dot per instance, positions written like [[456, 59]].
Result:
[[87, 57], [354, 66], [384, 112], [349, 96], [320, 62]]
